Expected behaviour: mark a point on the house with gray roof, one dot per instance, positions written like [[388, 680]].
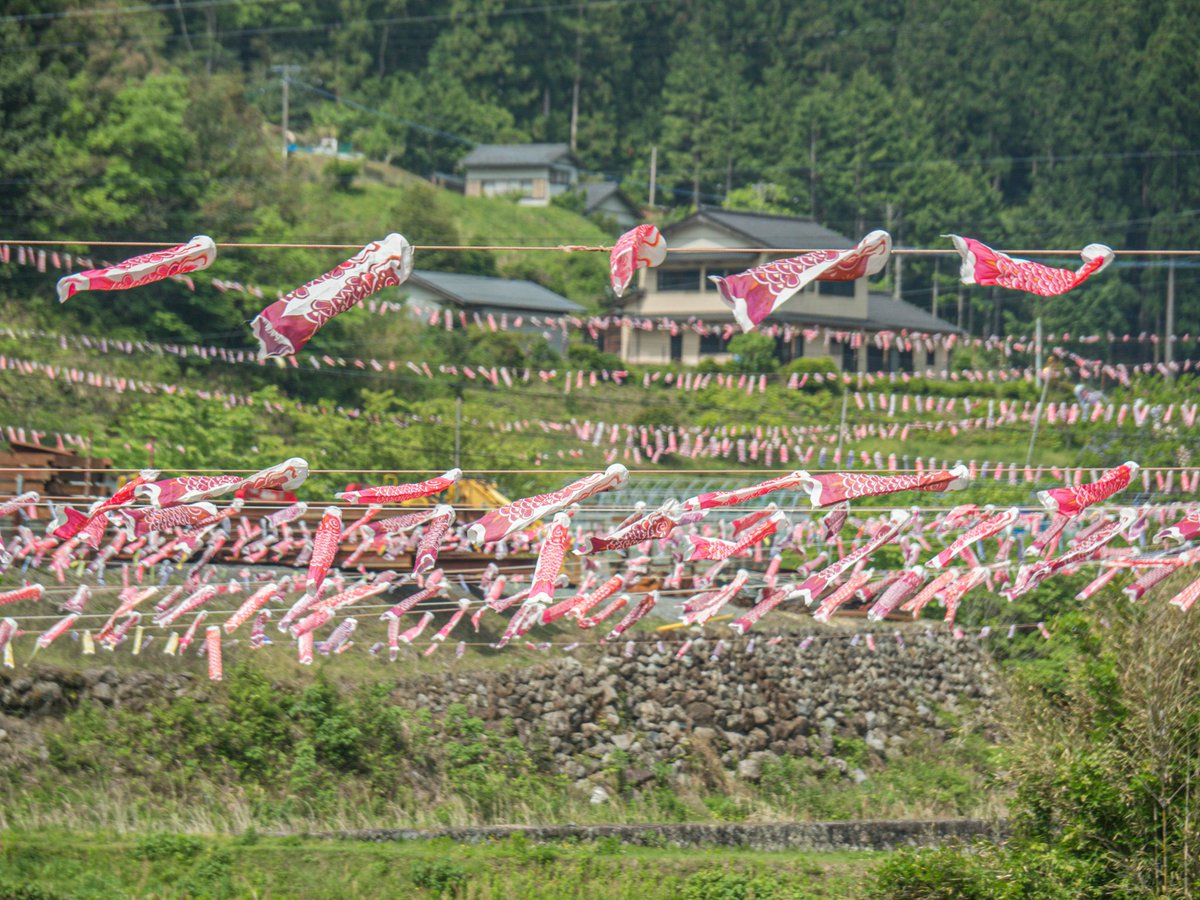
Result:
[[605, 198], [518, 301], [679, 289], [532, 172]]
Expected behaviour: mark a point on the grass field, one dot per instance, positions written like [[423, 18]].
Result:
[[52, 864]]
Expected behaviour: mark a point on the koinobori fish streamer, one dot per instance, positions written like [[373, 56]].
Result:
[[982, 265], [756, 293], [198, 253], [287, 325]]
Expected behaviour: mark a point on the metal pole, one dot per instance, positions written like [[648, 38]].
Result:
[[285, 118], [842, 423], [653, 172], [1037, 419], [1037, 353], [1169, 349], [284, 75], [457, 429]]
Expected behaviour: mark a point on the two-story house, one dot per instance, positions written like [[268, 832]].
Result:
[[680, 290]]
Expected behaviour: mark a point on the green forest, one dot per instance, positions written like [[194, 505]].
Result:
[[1031, 124]]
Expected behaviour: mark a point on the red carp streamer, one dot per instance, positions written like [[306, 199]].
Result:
[[400, 493], [984, 266], [756, 293], [498, 523], [284, 327], [1071, 501], [642, 247], [834, 487], [198, 253]]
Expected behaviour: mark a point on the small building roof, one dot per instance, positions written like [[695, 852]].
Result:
[[895, 315], [769, 231], [596, 193], [485, 291], [883, 314], [518, 155]]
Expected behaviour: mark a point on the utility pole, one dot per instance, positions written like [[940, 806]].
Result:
[[1169, 349], [284, 75], [653, 172], [1037, 349]]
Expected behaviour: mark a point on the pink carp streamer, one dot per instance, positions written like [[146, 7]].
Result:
[[414, 632], [983, 530], [57, 630], [139, 522], [639, 611], [756, 293], [699, 609], [1187, 597], [642, 247], [835, 520], [29, 592], [589, 602], [896, 593], [1097, 583], [1186, 529], [834, 487], [550, 559], [285, 476], [840, 595], [8, 630], [257, 601], [194, 601], [1071, 501], [614, 607], [930, 591], [198, 253], [212, 647], [984, 266], [325, 548], [658, 524], [287, 514], [433, 587], [789, 482], [68, 522], [954, 594], [444, 632], [399, 524], [400, 493], [713, 549], [284, 327], [768, 599], [20, 502], [498, 523], [815, 585], [431, 541], [304, 649]]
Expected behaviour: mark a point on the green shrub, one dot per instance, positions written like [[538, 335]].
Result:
[[726, 884], [167, 846], [440, 876]]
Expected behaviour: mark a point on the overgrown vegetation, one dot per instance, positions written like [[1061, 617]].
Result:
[[42, 865]]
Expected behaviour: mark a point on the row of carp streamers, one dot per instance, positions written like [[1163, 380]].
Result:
[[595, 325], [285, 326], [179, 510], [758, 444], [582, 378], [1090, 406]]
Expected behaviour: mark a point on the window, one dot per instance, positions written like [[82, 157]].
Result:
[[677, 347], [499, 187], [837, 288], [679, 279], [712, 343]]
